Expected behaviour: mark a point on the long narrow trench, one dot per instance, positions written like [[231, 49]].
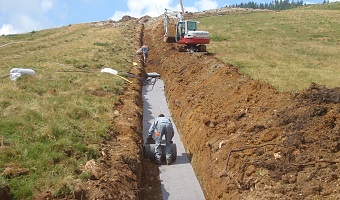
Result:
[[178, 180], [219, 110]]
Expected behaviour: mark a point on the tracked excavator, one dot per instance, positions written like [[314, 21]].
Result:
[[187, 33]]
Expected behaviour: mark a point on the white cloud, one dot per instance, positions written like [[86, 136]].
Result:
[[7, 29], [27, 6], [28, 23], [119, 14], [154, 8], [24, 16], [333, 1], [206, 4], [139, 8], [46, 5]]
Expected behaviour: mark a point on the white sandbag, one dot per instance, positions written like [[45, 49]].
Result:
[[15, 73], [109, 70]]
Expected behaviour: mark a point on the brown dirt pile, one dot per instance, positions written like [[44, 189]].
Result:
[[246, 139]]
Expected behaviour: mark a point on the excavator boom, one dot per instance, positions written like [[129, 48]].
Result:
[[180, 1]]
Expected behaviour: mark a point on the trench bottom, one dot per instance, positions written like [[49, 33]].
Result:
[[178, 180]]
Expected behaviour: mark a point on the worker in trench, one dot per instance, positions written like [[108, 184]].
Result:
[[145, 51], [162, 126]]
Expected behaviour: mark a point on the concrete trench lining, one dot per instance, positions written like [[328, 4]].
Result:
[[178, 180]]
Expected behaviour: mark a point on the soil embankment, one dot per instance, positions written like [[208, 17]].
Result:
[[246, 139]]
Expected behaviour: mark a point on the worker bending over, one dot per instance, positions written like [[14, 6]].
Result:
[[162, 126]]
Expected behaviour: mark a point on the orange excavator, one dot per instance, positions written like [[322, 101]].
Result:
[[187, 32]]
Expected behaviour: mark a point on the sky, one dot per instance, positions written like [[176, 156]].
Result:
[[22, 16]]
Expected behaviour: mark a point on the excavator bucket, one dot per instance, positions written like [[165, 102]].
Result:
[[169, 39]]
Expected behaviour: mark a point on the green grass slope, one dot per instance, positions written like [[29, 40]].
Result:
[[289, 49], [54, 122]]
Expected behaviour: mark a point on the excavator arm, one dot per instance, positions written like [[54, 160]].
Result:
[[171, 14], [182, 7]]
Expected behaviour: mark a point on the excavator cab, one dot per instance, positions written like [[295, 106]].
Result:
[[180, 27], [183, 27]]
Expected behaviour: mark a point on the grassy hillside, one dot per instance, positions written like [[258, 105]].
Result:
[[54, 122], [289, 49]]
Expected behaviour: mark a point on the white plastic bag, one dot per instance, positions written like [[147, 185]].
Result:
[[15, 73], [109, 70]]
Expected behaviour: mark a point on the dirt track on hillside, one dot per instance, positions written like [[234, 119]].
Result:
[[246, 139]]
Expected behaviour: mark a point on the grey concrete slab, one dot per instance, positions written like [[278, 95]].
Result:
[[178, 179]]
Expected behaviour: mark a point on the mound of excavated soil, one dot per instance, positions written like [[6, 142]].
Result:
[[246, 139]]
